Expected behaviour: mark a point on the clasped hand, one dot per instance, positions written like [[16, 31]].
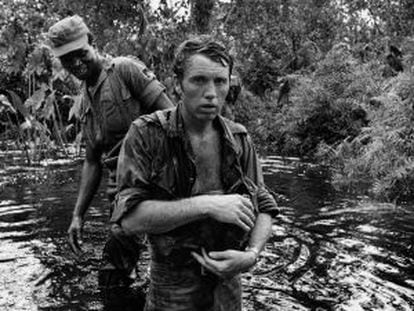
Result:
[[225, 264], [233, 209]]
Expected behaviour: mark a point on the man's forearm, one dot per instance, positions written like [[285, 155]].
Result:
[[261, 231], [90, 179], [156, 217]]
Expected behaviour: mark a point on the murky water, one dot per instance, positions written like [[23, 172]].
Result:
[[328, 251]]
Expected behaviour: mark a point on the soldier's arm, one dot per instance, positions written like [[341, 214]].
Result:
[[144, 85], [162, 102], [90, 180]]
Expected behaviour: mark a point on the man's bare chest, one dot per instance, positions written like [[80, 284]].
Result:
[[207, 152]]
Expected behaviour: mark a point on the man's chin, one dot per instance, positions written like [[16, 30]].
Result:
[[207, 117]]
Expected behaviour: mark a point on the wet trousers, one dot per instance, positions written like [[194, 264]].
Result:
[[121, 252], [188, 288], [120, 256]]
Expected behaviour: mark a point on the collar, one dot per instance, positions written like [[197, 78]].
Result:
[[107, 66], [174, 126]]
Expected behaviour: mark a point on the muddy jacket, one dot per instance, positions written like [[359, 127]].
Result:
[[125, 90], [156, 162]]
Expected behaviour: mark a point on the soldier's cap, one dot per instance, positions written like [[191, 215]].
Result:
[[67, 35]]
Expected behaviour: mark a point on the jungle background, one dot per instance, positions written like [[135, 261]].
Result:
[[326, 81]]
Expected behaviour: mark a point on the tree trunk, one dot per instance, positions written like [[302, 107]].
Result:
[[201, 13], [285, 11]]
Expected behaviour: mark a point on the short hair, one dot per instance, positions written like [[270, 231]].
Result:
[[204, 45]]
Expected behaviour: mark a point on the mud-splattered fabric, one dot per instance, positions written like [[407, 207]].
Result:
[[189, 288], [156, 162]]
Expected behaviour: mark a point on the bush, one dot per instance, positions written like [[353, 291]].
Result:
[[382, 155], [323, 107], [259, 116]]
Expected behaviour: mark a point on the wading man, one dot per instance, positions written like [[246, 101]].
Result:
[[115, 92], [190, 179]]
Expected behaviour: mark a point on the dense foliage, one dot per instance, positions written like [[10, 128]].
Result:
[[381, 156], [325, 105], [317, 80]]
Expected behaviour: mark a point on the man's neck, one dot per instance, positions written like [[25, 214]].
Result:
[[93, 79], [197, 127], [94, 76]]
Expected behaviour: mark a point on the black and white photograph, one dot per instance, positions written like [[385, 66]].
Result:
[[206, 155]]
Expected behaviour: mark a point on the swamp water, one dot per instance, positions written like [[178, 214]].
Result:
[[328, 251]]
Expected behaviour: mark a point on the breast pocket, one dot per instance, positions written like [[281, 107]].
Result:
[[131, 107], [118, 117]]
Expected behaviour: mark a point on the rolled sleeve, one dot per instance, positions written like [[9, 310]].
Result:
[[126, 200], [267, 203], [133, 173], [151, 93], [142, 82]]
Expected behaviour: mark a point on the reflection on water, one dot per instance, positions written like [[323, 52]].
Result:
[[37, 268], [328, 251], [334, 252]]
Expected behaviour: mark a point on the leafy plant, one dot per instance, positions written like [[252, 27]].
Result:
[[382, 155]]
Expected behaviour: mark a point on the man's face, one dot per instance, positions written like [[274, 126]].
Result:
[[205, 85], [82, 63]]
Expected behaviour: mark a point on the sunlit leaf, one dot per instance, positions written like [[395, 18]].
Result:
[[69, 128], [4, 102], [48, 110], [35, 101], [75, 110], [26, 125]]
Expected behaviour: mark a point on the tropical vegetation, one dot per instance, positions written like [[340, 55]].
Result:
[[328, 81]]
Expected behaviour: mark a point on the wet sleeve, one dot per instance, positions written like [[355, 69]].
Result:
[[133, 172], [253, 170], [141, 82]]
